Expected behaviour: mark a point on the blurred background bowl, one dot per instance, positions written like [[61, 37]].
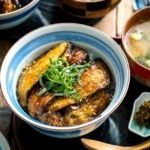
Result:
[[35, 43], [16, 17], [87, 9], [138, 71]]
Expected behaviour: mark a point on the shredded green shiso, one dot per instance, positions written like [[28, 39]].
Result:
[[60, 78]]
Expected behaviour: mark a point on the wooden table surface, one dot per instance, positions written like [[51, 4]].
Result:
[[112, 24]]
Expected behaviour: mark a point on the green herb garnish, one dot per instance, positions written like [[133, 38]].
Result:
[[144, 60], [60, 78]]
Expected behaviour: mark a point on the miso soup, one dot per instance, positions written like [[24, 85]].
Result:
[[138, 42]]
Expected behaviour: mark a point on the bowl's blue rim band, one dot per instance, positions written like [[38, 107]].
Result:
[[60, 36], [60, 134], [12, 19]]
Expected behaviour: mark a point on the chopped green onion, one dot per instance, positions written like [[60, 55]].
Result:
[[60, 78]]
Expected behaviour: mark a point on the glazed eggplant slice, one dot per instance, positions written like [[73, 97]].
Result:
[[81, 112], [75, 54], [37, 104], [87, 111], [96, 77], [30, 75]]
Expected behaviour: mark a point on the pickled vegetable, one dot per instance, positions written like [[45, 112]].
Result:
[[142, 116]]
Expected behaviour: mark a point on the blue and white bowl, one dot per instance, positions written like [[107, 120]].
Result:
[[40, 40], [16, 17]]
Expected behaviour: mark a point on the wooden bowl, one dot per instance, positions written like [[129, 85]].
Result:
[[138, 71], [87, 9]]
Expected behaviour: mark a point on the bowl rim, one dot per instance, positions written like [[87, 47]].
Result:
[[28, 35], [20, 10]]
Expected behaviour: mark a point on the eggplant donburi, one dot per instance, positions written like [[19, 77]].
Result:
[[65, 87]]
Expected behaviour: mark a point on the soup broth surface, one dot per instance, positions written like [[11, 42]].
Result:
[[137, 42]]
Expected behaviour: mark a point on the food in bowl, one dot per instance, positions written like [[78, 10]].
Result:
[[12, 14], [142, 116], [38, 42], [65, 86], [7, 6], [139, 119], [137, 41], [136, 47]]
